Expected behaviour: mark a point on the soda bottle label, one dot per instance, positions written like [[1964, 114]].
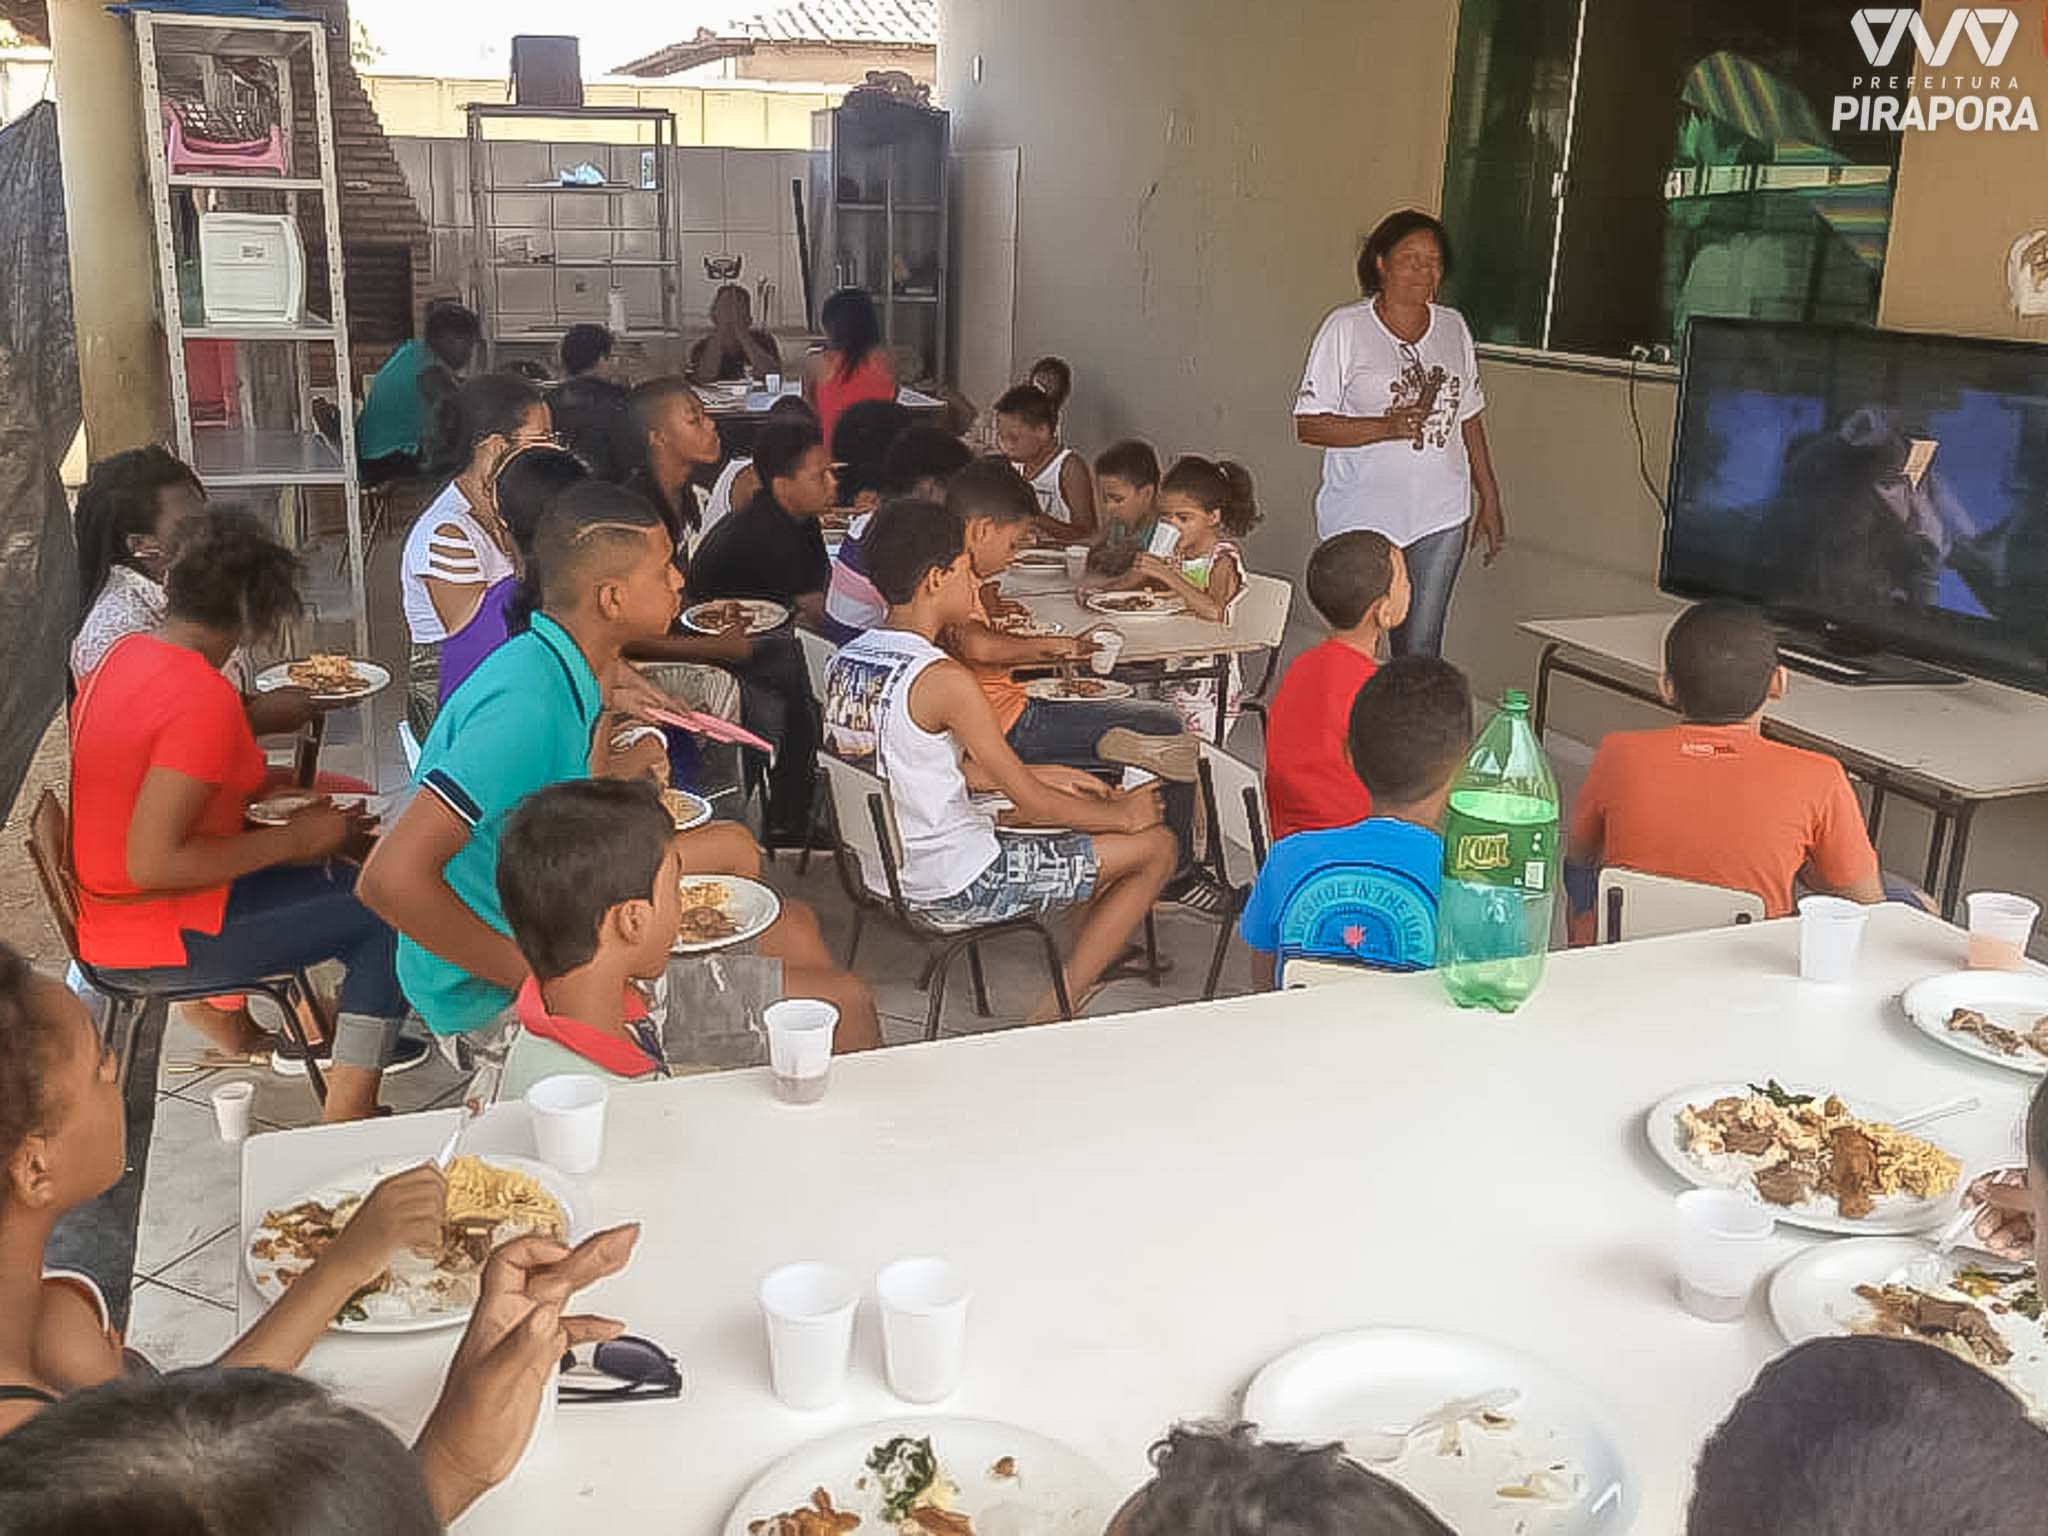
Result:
[[1495, 855]]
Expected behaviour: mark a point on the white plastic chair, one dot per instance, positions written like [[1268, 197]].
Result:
[[1239, 836], [818, 654], [1634, 905], [409, 744], [1260, 612], [870, 859], [1299, 973]]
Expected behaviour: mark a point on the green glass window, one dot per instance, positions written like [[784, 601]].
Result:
[[1616, 166]]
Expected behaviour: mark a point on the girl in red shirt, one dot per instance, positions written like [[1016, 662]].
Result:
[[854, 366], [173, 886]]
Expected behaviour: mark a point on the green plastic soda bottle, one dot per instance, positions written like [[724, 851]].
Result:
[[1501, 855]]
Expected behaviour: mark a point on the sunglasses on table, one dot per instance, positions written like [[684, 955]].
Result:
[[635, 1368]]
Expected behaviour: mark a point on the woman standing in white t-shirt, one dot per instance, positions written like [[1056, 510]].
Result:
[[460, 548], [1392, 396]]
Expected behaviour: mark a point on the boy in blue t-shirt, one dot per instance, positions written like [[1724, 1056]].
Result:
[[1367, 893]]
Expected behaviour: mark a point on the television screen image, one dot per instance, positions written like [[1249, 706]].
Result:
[[1888, 490]]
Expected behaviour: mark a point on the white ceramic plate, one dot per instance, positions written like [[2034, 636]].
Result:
[[1055, 689], [375, 680], [1155, 605], [1894, 1214], [1028, 628], [689, 810], [1382, 1378], [1041, 560], [2014, 1000], [1056, 1490], [762, 616], [263, 1272], [748, 903], [1813, 1296], [275, 810]]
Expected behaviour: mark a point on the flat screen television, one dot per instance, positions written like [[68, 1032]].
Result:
[[1882, 495]]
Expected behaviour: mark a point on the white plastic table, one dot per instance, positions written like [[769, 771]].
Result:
[[1949, 749], [1154, 1205]]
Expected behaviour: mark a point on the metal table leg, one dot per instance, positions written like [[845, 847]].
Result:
[[1541, 712], [1959, 851], [1221, 672]]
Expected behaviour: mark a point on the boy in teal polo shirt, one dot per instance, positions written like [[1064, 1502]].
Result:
[[526, 718]]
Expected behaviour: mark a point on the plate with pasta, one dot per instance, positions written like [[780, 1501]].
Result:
[[330, 678], [491, 1200]]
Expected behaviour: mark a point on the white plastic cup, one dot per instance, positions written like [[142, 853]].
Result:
[[568, 1120], [772, 384], [2000, 925], [800, 1033], [1109, 644], [1830, 933], [809, 1311], [1165, 540], [1723, 1243], [924, 1327], [233, 1104], [1077, 562]]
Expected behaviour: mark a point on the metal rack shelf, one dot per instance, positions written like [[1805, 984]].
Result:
[[293, 458], [523, 300]]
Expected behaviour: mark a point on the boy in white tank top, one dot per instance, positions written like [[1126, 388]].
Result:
[[897, 702], [1028, 430]]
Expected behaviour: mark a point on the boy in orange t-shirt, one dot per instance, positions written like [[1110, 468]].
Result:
[[1710, 799]]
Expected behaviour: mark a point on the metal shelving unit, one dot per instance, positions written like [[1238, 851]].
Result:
[[275, 445], [882, 222], [554, 222]]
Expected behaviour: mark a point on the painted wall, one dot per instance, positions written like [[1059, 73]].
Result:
[[1195, 178], [739, 114], [1185, 221]]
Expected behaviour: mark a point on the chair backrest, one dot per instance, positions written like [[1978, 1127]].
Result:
[[49, 850], [855, 790], [1297, 973], [1634, 905], [818, 654], [1237, 814], [1261, 609], [409, 744]]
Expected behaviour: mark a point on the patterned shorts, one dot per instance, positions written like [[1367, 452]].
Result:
[[1031, 875]]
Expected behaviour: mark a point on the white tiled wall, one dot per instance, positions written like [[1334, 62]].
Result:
[[728, 202]]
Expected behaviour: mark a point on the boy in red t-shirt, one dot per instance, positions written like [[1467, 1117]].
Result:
[[1359, 584], [1710, 799]]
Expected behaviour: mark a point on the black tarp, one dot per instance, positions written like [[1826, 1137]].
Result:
[[39, 413]]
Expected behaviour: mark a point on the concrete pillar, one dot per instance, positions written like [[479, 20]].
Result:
[[122, 369]]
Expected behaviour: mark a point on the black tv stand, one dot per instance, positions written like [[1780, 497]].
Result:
[[1832, 660]]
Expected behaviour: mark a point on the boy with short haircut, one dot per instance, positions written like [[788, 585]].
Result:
[[920, 464], [1367, 893], [588, 875], [1028, 432], [894, 698], [1127, 487], [1358, 582], [1712, 800], [1218, 1481]]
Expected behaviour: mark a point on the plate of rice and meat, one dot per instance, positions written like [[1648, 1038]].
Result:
[[720, 911], [1984, 1311], [330, 679], [490, 1201], [1818, 1160], [2000, 1017], [1136, 605], [715, 618], [1082, 689]]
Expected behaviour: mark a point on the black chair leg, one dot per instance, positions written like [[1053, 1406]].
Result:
[[980, 981], [141, 1014], [860, 919], [1223, 931], [1056, 969], [935, 1007], [288, 995], [1151, 950]]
